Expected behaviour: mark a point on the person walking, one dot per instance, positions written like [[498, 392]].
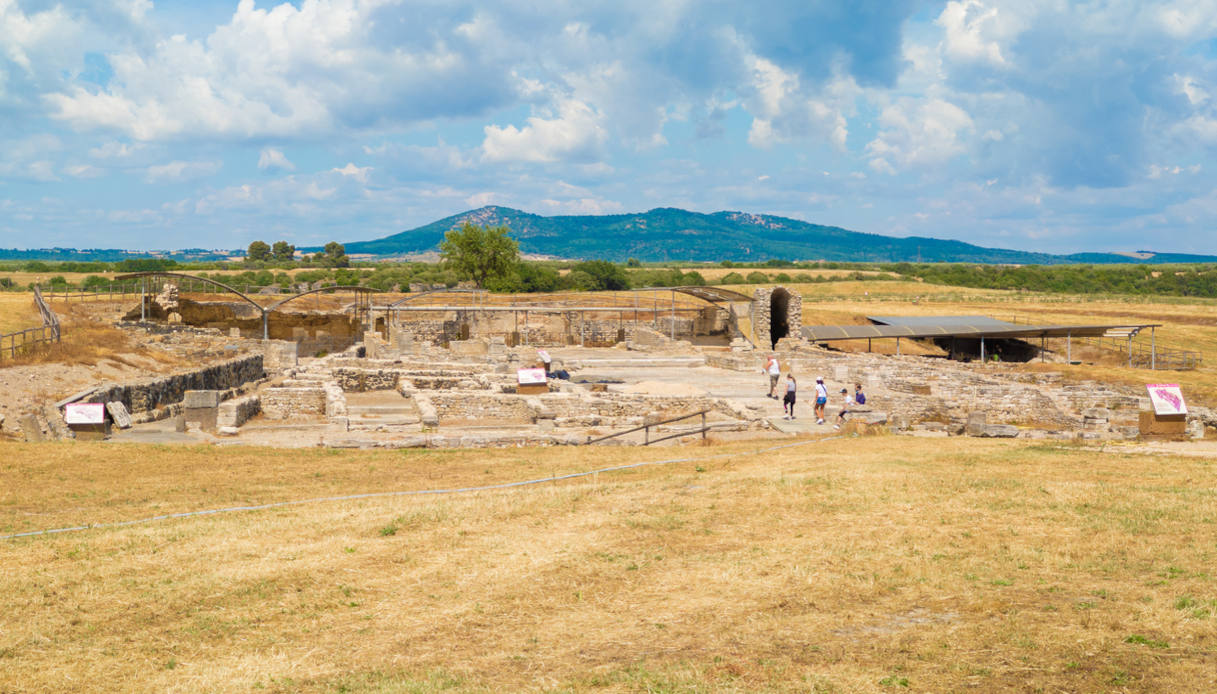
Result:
[[847, 402], [788, 401], [821, 399], [775, 372]]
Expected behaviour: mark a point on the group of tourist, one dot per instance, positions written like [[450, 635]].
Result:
[[848, 401]]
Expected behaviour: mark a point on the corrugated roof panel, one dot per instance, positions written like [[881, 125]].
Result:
[[927, 321]]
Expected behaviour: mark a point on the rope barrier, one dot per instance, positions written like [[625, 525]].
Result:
[[408, 492]]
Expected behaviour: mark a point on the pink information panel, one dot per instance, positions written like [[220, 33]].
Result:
[[84, 413], [1167, 398]]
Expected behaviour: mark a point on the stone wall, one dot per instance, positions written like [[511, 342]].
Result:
[[151, 394], [480, 406], [235, 412], [287, 402]]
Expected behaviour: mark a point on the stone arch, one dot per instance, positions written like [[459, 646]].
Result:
[[777, 313]]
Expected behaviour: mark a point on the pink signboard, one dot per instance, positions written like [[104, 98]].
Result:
[[84, 413], [1167, 398], [529, 377]]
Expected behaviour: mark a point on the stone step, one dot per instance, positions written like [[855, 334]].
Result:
[[373, 410], [641, 363]]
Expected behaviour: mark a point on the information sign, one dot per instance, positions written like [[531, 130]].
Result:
[[530, 377], [1167, 398], [84, 413]]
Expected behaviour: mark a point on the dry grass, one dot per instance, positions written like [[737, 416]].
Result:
[[85, 339], [849, 565], [18, 312]]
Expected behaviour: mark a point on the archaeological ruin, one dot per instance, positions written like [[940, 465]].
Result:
[[346, 367]]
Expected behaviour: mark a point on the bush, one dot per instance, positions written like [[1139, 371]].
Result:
[[757, 277], [733, 278]]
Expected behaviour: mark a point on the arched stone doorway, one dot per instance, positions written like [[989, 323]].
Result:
[[779, 315], [776, 313]]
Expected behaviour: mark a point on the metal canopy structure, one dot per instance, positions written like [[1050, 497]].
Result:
[[362, 294], [974, 328]]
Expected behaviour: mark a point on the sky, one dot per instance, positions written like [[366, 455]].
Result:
[[1038, 125]]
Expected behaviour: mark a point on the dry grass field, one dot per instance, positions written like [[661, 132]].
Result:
[[851, 565], [17, 312]]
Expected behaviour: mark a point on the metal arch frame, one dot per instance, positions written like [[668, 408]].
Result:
[[358, 289], [445, 290], [221, 285], [264, 310]]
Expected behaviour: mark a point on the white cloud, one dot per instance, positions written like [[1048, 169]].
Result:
[[974, 31], [176, 171], [115, 150], [271, 158], [782, 112], [288, 71], [575, 132], [83, 171], [358, 173], [917, 133]]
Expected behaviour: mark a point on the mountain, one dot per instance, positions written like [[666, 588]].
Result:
[[666, 233]]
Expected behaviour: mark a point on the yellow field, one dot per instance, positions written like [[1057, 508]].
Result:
[[17, 312], [857, 565]]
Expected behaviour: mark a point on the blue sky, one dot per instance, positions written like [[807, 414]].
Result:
[[1029, 124]]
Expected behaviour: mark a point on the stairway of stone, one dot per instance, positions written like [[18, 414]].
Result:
[[382, 410]]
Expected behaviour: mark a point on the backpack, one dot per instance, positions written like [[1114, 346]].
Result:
[[860, 398]]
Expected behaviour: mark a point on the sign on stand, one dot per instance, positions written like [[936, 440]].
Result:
[[84, 413], [87, 420], [531, 381], [1167, 398]]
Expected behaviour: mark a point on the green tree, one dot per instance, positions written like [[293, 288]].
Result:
[[258, 251], [282, 251], [334, 255], [479, 253], [604, 275]]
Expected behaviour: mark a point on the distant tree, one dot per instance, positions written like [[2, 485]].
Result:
[[732, 278], [258, 251], [282, 250], [334, 255], [480, 253], [756, 277], [604, 275], [633, 262]]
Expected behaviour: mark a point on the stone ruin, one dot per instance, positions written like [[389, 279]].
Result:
[[404, 390]]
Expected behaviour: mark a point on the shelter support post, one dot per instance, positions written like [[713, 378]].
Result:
[[143, 300], [1153, 351], [1069, 347], [265, 326], [1041, 349], [1130, 350], [897, 346], [672, 317], [868, 344], [982, 349], [581, 328]]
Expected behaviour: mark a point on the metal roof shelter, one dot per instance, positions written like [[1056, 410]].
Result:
[[970, 327]]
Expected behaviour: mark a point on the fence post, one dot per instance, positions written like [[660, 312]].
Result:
[[703, 425]]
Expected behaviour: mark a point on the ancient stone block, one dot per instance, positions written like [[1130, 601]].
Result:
[[199, 399], [118, 412], [1000, 431], [977, 421]]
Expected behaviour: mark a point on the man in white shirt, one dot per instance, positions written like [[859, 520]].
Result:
[[775, 372]]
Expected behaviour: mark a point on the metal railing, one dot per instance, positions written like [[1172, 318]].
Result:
[[21, 340], [646, 428]]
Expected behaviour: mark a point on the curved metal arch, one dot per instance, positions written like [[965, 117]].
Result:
[[221, 285], [713, 294], [445, 290], [338, 287]]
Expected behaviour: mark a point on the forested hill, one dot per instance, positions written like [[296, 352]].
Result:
[[674, 234]]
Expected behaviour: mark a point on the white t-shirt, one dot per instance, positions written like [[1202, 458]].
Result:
[[821, 391], [774, 368]]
